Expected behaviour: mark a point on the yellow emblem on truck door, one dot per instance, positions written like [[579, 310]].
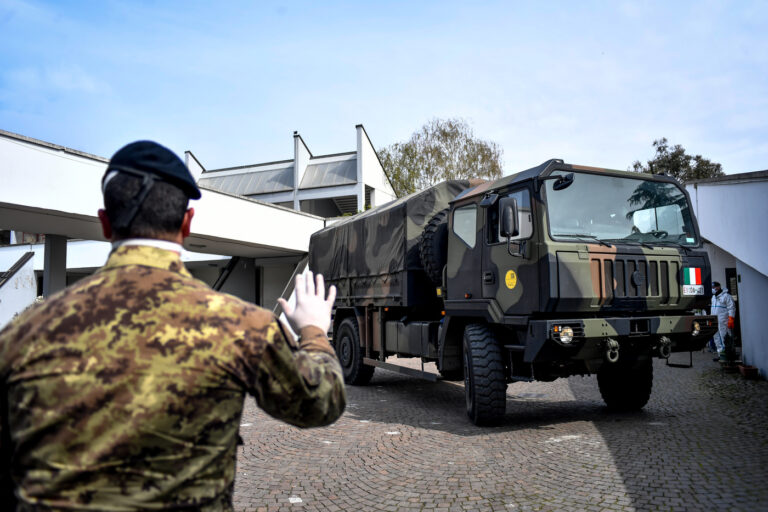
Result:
[[511, 279]]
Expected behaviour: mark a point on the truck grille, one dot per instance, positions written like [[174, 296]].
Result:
[[635, 278]]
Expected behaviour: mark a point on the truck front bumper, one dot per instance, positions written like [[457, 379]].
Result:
[[549, 339]]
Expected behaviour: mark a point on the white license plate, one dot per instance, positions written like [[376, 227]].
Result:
[[693, 289]]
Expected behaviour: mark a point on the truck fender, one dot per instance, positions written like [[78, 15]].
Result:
[[450, 344], [342, 314]]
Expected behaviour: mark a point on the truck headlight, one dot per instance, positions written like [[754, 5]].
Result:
[[563, 334], [696, 329], [566, 334]]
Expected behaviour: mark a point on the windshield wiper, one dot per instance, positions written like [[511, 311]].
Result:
[[677, 244], [631, 242], [583, 236]]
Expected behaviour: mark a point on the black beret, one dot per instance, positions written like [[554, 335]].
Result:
[[145, 157], [715, 283]]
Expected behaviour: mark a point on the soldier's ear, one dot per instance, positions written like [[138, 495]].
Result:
[[186, 224], [106, 227]]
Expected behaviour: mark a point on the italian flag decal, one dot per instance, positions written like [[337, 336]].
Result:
[[692, 281], [691, 275]]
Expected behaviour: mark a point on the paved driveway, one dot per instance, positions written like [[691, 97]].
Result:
[[701, 443]]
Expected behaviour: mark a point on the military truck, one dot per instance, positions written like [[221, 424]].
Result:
[[555, 271]]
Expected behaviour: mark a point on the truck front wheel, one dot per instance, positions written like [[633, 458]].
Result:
[[626, 385], [350, 354], [485, 387]]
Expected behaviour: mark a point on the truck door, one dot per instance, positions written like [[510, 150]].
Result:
[[510, 279], [465, 241]]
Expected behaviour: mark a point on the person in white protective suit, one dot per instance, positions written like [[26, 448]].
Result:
[[725, 309]]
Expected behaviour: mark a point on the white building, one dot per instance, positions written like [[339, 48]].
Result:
[[324, 185], [55, 191], [732, 212]]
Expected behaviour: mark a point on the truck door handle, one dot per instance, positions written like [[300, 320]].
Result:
[[489, 277]]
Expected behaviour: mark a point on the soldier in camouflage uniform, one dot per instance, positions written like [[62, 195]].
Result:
[[125, 390]]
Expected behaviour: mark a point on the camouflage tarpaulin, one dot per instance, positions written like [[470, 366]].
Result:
[[379, 242]]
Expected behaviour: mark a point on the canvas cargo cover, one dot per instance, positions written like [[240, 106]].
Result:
[[383, 240]]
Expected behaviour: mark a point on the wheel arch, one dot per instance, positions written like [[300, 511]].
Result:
[[341, 314], [449, 355]]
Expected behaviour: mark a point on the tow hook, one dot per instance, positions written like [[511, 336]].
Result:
[[665, 347], [611, 350]]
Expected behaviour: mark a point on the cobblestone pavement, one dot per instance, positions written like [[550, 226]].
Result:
[[701, 443]]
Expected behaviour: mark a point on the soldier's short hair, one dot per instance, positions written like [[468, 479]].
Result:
[[161, 213]]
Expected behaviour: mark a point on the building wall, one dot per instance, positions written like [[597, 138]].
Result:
[[732, 215], [753, 297], [18, 293], [274, 279], [320, 207], [262, 285], [719, 260], [242, 282], [373, 174]]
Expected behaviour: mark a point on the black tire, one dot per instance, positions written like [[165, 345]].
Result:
[[350, 354], [485, 386], [626, 385], [433, 246]]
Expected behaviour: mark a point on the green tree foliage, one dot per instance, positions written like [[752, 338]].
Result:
[[442, 149], [675, 162]]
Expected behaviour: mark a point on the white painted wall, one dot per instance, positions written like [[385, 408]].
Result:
[[753, 306], [45, 177], [83, 255], [719, 260], [274, 279], [242, 281], [221, 216], [17, 293], [372, 173], [733, 216], [329, 192], [195, 168]]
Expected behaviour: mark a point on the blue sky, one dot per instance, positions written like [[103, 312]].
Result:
[[590, 82]]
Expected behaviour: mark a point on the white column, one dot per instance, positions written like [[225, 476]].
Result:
[[360, 180], [301, 157]]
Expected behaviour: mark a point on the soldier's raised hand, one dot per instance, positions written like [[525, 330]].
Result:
[[312, 306]]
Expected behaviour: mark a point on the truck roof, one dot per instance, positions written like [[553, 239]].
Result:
[[547, 168]]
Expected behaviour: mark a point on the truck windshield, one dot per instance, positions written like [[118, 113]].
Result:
[[617, 209]]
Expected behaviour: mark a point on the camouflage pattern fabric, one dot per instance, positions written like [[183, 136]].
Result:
[[374, 255], [125, 391]]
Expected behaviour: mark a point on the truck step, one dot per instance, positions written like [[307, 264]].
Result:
[[517, 378], [401, 369]]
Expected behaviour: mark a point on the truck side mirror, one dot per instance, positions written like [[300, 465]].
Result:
[[509, 227]]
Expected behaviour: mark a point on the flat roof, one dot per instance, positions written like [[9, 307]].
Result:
[[740, 177], [51, 145]]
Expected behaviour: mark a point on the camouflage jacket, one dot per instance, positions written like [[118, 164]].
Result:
[[125, 390]]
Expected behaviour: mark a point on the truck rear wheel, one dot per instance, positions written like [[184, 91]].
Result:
[[433, 246], [350, 354], [626, 385], [485, 387]]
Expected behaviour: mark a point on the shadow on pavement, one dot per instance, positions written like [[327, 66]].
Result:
[[392, 398], [700, 444]]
